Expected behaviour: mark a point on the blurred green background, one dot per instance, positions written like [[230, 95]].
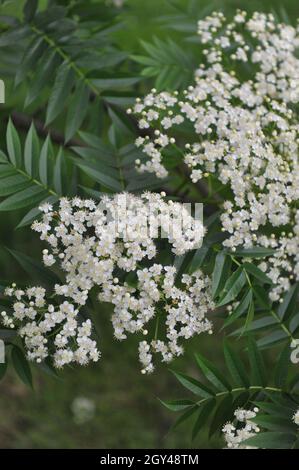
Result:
[[126, 412]]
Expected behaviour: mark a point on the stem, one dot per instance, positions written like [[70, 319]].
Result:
[[253, 388]]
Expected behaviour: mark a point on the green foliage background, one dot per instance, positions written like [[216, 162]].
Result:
[[128, 413]]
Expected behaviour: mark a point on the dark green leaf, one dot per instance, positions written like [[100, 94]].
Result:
[[255, 252], [21, 365], [271, 440], [223, 413], [233, 287], [205, 411], [235, 366], [290, 303], [257, 273], [193, 385], [61, 89], [257, 364], [212, 374], [76, 110], [220, 273]]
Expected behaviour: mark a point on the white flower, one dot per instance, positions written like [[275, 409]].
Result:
[[234, 435], [245, 132], [296, 417]]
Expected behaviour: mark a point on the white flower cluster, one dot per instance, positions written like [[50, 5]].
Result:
[[49, 331], [296, 417], [241, 108], [99, 245], [178, 312], [234, 435]]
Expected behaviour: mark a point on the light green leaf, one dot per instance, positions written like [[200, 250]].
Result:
[[13, 184], [31, 151], [177, 405], [27, 197], [46, 152], [13, 145]]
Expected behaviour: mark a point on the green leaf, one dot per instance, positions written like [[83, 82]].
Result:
[[261, 296], [46, 151], [96, 143], [30, 10], [114, 82], [254, 252], [220, 273], [13, 145], [61, 89], [259, 324], [3, 157], [33, 214], [47, 66], [233, 287], [27, 197], [204, 412], [31, 151], [240, 309], [193, 385], [290, 303], [97, 175], [257, 364], [181, 419], [57, 176], [223, 413], [282, 367], [235, 366], [257, 273], [31, 55], [272, 339], [271, 440], [198, 258], [13, 184], [33, 268], [249, 316], [274, 423], [277, 409], [212, 374], [177, 405], [21, 365], [77, 110]]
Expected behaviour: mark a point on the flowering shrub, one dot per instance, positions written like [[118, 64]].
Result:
[[112, 216]]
